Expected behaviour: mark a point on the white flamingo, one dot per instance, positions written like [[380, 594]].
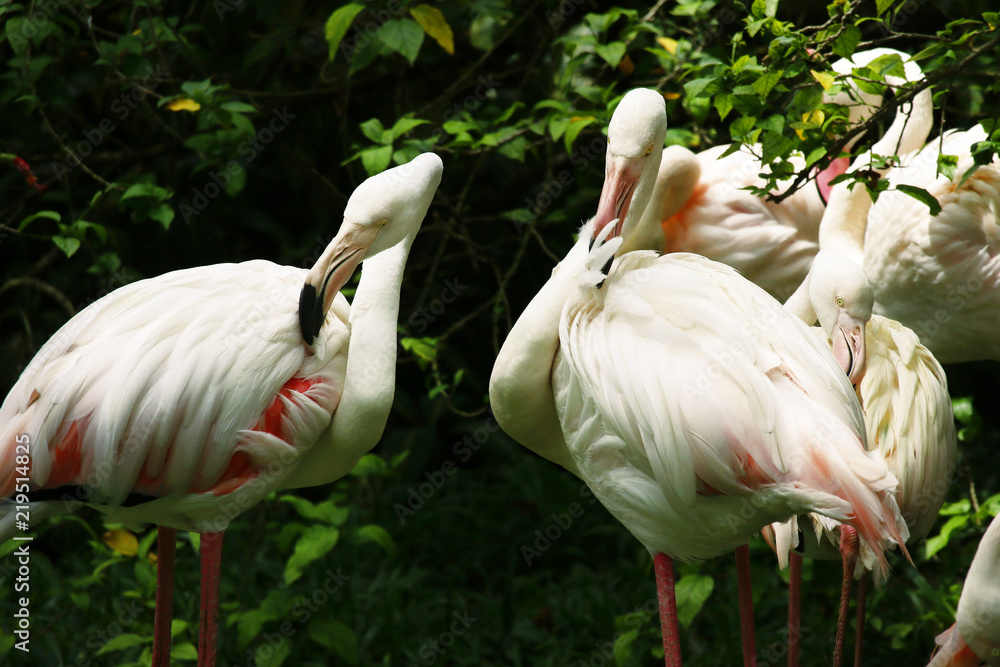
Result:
[[775, 428], [709, 213], [185, 399], [940, 275], [975, 636]]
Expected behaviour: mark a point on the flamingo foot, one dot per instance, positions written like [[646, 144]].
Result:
[[849, 554], [211, 563], [664, 569], [794, 607], [746, 606], [859, 631], [166, 548]]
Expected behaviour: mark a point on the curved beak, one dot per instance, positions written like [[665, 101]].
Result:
[[330, 273], [849, 346], [620, 178]]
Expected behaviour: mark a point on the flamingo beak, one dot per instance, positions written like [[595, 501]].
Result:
[[849, 346], [620, 178], [330, 273]]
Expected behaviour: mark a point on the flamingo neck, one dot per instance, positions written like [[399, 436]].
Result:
[[677, 178], [370, 379], [800, 303]]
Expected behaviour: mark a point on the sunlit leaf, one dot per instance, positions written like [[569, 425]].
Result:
[[337, 25], [183, 104], [434, 24], [123, 541]]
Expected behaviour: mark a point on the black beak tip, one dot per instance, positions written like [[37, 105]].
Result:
[[310, 313]]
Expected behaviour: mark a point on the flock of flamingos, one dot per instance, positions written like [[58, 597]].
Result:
[[656, 364]]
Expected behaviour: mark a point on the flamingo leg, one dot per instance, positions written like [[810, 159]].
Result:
[[859, 631], [166, 548], [746, 606], [849, 553], [794, 608], [211, 563], [664, 569]]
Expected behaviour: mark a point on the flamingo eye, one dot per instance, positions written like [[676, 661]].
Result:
[[840, 302], [382, 223], [649, 150]]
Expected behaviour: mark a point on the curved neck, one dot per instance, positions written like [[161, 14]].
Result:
[[641, 231], [521, 384], [370, 380], [800, 303]]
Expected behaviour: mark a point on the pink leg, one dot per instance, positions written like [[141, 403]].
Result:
[[746, 606], [849, 553], [211, 562], [859, 631], [794, 613], [664, 568], [166, 547]]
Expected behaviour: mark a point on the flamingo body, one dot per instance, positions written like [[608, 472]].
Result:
[[695, 423], [183, 388], [940, 275]]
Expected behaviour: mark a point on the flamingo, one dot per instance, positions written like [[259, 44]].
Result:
[[940, 274], [621, 361], [184, 399], [771, 244], [901, 386], [975, 636]]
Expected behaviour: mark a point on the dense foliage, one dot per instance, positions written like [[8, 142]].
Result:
[[139, 138]]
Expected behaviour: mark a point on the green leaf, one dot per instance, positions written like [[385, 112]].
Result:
[[376, 160], [923, 196], [763, 85], [404, 125], [946, 165], [338, 24], [962, 409], [123, 641], [372, 128], [185, 651], [889, 64], [692, 591], [845, 44], [315, 542], [379, 535], [882, 5], [238, 107], [422, 348], [723, 104], [146, 190], [940, 541], [68, 244], [336, 636], [611, 53], [574, 130], [404, 36], [770, 8], [267, 655], [48, 215], [327, 510], [369, 464]]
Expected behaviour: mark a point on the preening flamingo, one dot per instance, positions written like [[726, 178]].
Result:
[[975, 636], [902, 388], [686, 395], [771, 244], [940, 275], [184, 399]]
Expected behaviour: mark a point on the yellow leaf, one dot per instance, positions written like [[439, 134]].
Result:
[[814, 117], [573, 119], [669, 45], [137, 32], [183, 104], [434, 24], [122, 541], [825, 79], [671, 96]]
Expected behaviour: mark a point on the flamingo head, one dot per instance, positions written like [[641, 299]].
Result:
[[843, 299], [383, 211], [635, 144]]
